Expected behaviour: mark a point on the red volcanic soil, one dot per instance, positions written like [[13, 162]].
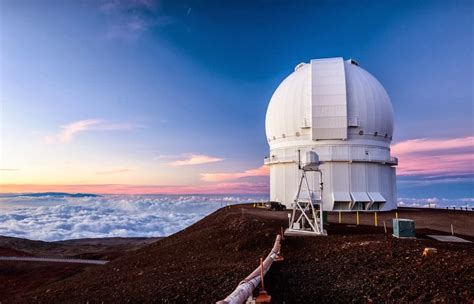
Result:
[[206, 261], [18, 277], [103, 248]]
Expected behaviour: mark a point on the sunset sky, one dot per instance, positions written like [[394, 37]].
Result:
[[148, 96]]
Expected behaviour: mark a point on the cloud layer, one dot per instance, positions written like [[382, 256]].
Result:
[[51, 218], [67, 132], [195, 160], [435, 156], [218, 177], [114, 171], [435, 202], [239, 187], [129, 19], [54, 218]]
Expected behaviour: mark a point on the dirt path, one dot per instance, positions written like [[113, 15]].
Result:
[[52, 260]]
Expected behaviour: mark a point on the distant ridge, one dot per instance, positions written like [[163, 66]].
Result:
[[56, 194]]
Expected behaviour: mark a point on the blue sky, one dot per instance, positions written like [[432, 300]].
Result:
[[151, 95]]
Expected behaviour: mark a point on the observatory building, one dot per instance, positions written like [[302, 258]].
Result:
[[340, 111]]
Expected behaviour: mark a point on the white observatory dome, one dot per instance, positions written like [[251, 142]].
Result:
[[368, 106], [340, 111]]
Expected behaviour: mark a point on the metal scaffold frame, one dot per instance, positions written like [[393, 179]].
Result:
[[305, 207]]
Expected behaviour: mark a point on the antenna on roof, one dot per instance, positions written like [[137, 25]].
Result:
[[299, 65], [352, 61]]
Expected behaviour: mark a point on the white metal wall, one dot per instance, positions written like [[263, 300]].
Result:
[[328, 99], [339, 178], [344, 114]]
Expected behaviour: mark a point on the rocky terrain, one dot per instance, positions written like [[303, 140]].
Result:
[[19, 277], [205, 262]]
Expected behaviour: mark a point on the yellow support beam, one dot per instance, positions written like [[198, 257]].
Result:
[[376, 221], [340, 217], [357, 217]]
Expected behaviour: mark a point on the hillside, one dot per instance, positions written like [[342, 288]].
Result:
[[205, 262], [18, 277]]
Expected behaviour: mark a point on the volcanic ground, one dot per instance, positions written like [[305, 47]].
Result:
[[206, 261]]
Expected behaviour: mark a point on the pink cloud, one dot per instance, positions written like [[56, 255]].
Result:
[[435, 156], [219, 183], [423, 145], [195, 160], [218, 188], [218, 177]]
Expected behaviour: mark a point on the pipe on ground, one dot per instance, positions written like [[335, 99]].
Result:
[[247, 285]]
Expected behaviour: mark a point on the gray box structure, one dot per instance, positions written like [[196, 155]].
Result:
[[404, 228]]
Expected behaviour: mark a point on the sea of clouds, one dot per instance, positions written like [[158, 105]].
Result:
[[435, 202], [53, 218]]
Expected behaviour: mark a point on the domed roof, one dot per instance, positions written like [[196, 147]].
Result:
[[369, 110]]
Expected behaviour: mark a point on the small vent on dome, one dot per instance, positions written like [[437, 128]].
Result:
[[299, 65], [352, 61], [353, 122], [305, 124]]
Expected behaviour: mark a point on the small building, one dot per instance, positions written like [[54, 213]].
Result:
[[340, 111]]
